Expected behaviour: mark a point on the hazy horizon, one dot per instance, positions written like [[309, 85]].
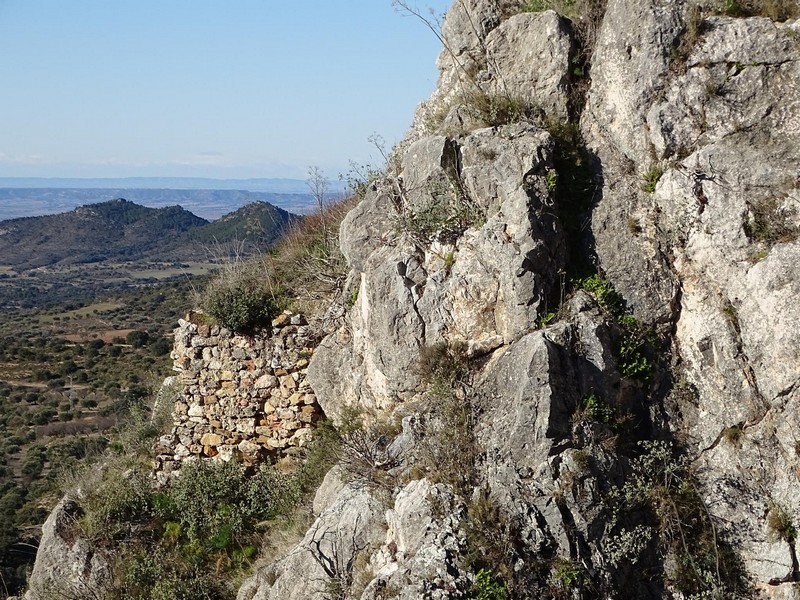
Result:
[[208, 203], [283, 185]]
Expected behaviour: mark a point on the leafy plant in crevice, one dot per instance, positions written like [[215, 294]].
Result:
[[593, 407], [486, 587], [551, 180], [658, 506], [545, 320], [733, 434], [631, 345], [568, 578]]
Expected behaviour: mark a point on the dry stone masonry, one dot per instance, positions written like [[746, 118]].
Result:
[[242, 397]]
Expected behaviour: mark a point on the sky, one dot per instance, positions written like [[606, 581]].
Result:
[[209, 88]]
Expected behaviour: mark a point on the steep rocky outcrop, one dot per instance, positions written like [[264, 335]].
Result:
[[689, 129], [67, 565], [718, 232]]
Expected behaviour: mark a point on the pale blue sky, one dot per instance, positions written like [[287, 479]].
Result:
[[214, 88]]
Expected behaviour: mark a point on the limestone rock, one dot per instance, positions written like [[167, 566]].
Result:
[[352, 524], [539, 74], [423, 540], [67, 565]]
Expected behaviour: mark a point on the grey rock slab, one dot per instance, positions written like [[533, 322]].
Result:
[[529, 58], [368, 225], [420, 555], [352, 523], [630, 60], [67, 565]]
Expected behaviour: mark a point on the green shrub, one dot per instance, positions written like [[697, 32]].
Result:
[[216, 503], [568, 579], [121, 498], [594, 407], [155, 574], [604, 293], [630, 346], [551, 179], [660, 490], [545, 320], [241, 302], [486, 588]]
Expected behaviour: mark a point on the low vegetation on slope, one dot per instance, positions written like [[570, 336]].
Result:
[[197, 536], [304, 270], [69, 377]]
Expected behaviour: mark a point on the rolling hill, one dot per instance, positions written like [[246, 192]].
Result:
[[120, 230]]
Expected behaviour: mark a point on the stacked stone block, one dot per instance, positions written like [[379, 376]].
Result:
[[239, 397]]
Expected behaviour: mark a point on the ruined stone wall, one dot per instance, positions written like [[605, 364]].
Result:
[[243, 397]]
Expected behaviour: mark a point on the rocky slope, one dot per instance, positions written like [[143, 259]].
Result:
[[572, 340]]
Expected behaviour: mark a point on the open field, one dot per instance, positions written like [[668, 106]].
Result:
[[189, 269]]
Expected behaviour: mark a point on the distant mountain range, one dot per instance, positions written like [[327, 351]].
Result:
[[207, 198], [121, 230]]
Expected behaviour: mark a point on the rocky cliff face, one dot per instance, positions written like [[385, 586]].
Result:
[[631, 434]]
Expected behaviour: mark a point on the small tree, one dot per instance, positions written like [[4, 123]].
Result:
[[318, 184]]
